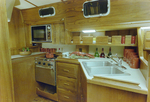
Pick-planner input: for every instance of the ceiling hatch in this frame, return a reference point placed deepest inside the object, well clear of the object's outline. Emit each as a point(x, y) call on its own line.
point(47, 12)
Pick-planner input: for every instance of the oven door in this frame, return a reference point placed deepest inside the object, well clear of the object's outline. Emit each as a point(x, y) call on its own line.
point(45, 75)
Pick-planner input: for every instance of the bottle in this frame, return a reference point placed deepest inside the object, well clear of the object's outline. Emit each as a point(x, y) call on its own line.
point(102, 54)
point(96, 53)
point(109, 53)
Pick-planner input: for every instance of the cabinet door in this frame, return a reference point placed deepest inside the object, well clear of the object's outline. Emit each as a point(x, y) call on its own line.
point(58, 33)
point(66, 96)
point(67, 83)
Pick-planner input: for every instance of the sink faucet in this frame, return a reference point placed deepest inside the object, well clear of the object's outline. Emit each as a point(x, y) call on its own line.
point(119, 61)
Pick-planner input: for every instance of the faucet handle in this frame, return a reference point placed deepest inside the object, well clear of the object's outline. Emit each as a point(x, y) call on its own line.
point(117, 55)
point(120, 62)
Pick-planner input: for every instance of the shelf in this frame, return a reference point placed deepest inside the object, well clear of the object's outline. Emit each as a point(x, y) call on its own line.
point(109, 44)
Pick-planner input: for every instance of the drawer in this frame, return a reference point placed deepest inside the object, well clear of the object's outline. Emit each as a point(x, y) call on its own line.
point(67, 83)
point(67, 70)
point(66, 96)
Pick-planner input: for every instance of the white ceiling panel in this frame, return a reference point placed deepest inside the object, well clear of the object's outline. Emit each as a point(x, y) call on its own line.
point(43, 2)
point(24, 5)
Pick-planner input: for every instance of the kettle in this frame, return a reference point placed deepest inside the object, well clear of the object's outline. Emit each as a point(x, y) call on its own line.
point(49, 55)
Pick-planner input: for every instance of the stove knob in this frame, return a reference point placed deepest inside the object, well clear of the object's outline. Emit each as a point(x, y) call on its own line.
point(39, 62)
point(43, 63)
point(49, 64)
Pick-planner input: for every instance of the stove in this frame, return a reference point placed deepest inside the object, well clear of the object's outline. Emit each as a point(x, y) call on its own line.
point(45, 70)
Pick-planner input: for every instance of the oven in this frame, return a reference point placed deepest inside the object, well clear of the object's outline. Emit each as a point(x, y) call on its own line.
point(45, 70)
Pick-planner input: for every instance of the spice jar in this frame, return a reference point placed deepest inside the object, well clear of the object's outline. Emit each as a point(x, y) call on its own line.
point(133, 40)
point(123, 40)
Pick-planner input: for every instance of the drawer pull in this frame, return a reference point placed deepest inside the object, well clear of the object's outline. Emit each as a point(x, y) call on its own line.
point(65, 70)
point(66, 84)
point(66, 97)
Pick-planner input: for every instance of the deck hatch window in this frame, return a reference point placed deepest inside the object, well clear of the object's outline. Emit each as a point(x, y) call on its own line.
point(47, 12)
point(96, 8)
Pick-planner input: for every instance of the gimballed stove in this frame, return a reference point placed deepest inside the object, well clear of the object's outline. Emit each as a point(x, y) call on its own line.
point(45, 70)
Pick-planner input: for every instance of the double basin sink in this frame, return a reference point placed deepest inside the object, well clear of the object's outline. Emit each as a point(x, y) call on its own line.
point(94, 68)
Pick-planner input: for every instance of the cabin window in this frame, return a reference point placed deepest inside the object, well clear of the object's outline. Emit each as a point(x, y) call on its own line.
point(47, 12)
point(96, 8)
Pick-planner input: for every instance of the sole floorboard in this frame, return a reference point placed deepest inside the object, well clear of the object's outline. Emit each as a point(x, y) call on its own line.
point(42, 99)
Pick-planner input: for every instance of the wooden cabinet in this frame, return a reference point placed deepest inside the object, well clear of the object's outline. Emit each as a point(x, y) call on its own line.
point(58, 33)
point(67, 82)
point(24, 79)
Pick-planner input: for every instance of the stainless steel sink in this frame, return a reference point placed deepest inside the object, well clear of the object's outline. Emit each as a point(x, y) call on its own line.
point(97, 63)
point(102, 68)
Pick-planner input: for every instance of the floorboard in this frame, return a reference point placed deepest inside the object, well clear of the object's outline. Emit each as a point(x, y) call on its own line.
point(42, 99)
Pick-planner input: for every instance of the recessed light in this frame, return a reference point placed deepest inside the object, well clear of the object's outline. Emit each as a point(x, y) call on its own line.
point(88, 31)
point(145, 27)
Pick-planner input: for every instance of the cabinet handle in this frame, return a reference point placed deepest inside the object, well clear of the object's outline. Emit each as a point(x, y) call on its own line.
point(65, 70)
point(66, 84)
point(66, 97)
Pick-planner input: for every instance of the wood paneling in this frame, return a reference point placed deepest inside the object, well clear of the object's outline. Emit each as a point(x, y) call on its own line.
point(31, 16)
point(85, 48)
point(58, 33)
point(83, 86)
point(16, 30)
point(123, 14)
point(24, 79)
point(20, 34)
point(6, 80)
point(68, 37)
point(106, 94)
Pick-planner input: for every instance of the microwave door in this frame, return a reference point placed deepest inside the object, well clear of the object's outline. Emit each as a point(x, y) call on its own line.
point(39, 33)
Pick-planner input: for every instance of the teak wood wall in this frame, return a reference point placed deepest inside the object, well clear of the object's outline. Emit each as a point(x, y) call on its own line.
point(19, 33)
point(123, 14)
point(6, 80)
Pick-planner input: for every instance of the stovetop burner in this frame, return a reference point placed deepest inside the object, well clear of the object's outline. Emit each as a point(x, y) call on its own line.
point(49, 59)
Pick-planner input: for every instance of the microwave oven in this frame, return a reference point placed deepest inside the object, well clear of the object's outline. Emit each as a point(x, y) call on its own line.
point(41, 33)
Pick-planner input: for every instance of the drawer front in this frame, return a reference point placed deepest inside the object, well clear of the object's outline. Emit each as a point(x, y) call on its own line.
point(67, 83)
point(66, 96)
point(68, 70)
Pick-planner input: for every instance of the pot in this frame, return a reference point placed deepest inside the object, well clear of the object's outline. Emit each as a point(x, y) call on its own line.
point(49, 55)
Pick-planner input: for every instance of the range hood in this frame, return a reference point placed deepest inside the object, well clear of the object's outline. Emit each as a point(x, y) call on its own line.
point(9, 7)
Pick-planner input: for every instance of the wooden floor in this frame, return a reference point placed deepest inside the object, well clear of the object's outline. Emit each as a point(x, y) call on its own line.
point(41, 99)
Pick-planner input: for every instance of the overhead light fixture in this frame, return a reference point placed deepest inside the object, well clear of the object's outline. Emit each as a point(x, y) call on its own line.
point(145, 27)
point(88, 31)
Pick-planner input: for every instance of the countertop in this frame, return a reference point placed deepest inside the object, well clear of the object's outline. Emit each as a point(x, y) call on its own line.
point(135, 77)
point(20, 56)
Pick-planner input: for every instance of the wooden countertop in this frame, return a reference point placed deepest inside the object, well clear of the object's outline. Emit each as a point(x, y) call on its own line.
point(33, 54)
